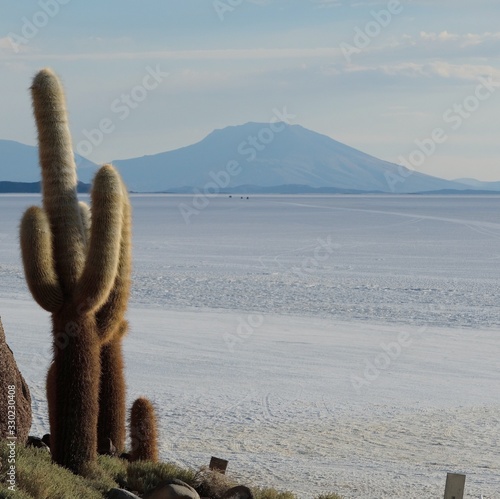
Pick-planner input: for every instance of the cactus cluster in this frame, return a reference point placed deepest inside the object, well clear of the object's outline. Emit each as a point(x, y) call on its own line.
point(77, 263)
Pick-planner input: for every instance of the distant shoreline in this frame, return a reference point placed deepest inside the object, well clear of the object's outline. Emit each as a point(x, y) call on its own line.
point(7, 187)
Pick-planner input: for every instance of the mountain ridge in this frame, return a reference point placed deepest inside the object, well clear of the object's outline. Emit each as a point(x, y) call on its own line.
point(254, 154)
point(19, 163)
point(275, 157)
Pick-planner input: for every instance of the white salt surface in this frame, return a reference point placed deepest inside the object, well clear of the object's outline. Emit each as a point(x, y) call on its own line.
point(254, 350)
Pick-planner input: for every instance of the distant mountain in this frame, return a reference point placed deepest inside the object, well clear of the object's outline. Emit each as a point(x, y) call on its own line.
point(19, 163)
point(259, 157)
point(478, 184)
point(251, 158)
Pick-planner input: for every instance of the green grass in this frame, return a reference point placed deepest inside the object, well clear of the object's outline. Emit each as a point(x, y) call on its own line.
point(38, 478)
point(273, 494)
point(143, 476)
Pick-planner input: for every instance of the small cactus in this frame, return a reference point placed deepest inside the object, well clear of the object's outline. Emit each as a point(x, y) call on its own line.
point(143, 431)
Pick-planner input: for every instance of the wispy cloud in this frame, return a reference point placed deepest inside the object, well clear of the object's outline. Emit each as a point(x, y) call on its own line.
point(429, 46)
point(462, 40)
point(441, 69)
point(223, 54)
point(6, 46)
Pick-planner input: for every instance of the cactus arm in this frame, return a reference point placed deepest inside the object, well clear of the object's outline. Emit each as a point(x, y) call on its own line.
point(38, 260)
point(86, 218)
point(59, 180)
point(102, 261)
point(111, 314)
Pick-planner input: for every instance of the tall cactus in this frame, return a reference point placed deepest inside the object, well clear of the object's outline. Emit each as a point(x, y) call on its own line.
point(72, 265)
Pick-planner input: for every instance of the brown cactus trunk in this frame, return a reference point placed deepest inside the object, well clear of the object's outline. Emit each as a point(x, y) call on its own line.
point(76, 382)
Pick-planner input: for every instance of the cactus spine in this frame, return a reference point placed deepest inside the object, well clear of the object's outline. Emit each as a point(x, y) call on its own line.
point(71, 265)
point(143, 431)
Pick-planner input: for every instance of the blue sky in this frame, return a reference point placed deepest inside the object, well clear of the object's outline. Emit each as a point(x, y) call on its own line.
point(376, 75)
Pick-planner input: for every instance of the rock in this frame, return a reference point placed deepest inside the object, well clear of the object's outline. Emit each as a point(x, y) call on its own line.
point(173, 489)
point(46, 440)
point(239, 492)
point(37, 443)
point(121, 494)
point(11, 377)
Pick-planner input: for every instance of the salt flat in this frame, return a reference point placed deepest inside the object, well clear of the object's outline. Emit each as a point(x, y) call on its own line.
point(320, 343)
